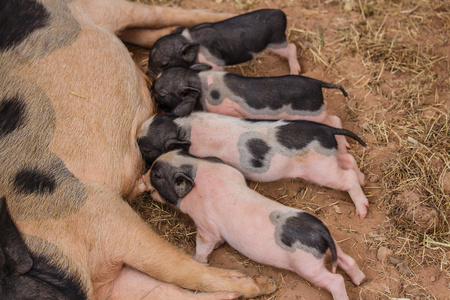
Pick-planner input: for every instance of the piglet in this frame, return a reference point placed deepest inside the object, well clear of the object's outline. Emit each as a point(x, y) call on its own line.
point(228, 42)
point(290, 97)
point(263, 150)
point(224, 209)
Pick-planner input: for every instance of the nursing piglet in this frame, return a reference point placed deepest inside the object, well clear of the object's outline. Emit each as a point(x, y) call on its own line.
point(229, 42)
point(224, 209)
point(262, 150)
point(290, 97)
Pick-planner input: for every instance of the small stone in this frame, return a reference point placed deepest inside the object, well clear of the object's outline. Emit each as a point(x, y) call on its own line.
point(446, 182)
point(374, 178)
point(337, 209)
point(383, 253)
point(403, 267)
point(394, 260)
point(433, 278)
point(349, 5)
point(292, 193)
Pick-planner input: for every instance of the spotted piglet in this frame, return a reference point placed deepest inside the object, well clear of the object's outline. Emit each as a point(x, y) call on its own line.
point(262, 150)
point(290, 97)
point(229, 42)
point(224, 209)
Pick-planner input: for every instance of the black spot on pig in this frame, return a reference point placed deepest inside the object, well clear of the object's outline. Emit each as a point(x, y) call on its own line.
point(215, 94)
point(238, 39)
point(311, 233)
point(29, 181)
point(24, 275)
point(300, 93)
point(43, 281)
point(161, 136)
point(275, 92)
point(297, 229)
point(259, 149)
point(297, 135)
point(14, 253)
point(173, 50)
point(18, 19)
point(12, 115)
point(171, 182)
point(176, 85)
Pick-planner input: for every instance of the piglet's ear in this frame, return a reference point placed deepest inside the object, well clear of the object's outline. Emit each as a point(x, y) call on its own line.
point(190, 94)
point(178, 30)
point(183, 184)
point(174, 144)
point(200, 67)
point(189, 52)
point(184, 108)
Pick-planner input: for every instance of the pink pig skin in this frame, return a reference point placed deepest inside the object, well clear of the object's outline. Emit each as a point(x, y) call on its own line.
point(226, 210)
point(207, 139)
point(231, 108)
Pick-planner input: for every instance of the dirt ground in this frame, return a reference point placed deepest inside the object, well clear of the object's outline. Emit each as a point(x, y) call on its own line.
point(392, 57)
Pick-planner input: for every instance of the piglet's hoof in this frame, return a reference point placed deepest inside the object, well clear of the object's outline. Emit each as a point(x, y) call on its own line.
point(266, 284)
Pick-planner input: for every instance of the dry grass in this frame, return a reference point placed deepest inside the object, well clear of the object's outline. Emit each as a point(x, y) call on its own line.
point(399, 43)
point(419, 128)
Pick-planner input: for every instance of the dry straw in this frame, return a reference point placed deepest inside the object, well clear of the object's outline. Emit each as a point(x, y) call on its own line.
point(391, 39)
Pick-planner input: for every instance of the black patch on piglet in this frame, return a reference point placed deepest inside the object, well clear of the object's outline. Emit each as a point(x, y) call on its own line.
point(238, 39)
point(163, 135)
point(18, 19)
point(12, 115)
point(299, 93)
point(169, 51)
point(297, 229)
point(258, 149)
point(296, 135)
point(306, 229)
point(176, 85)
point(172, 183)
point(29, 181)
point(215, 94)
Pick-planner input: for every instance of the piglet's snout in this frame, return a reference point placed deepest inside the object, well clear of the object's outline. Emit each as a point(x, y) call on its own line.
point(149, 188)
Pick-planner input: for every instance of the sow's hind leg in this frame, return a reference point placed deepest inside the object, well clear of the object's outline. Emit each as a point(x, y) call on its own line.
point(143, 24)
point(132, 284)
point(135, 245)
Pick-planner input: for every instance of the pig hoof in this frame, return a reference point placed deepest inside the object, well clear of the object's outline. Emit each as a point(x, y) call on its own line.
point(362, 215)
point(266, 284)
point(358, 279)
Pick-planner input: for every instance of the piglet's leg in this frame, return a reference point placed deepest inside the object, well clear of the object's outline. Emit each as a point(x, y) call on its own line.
point(325, 170)
point(346, 161)
point(290, 53)
point(314, 271)
point(205, 246)
point(350, 266)
point(334, 121)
